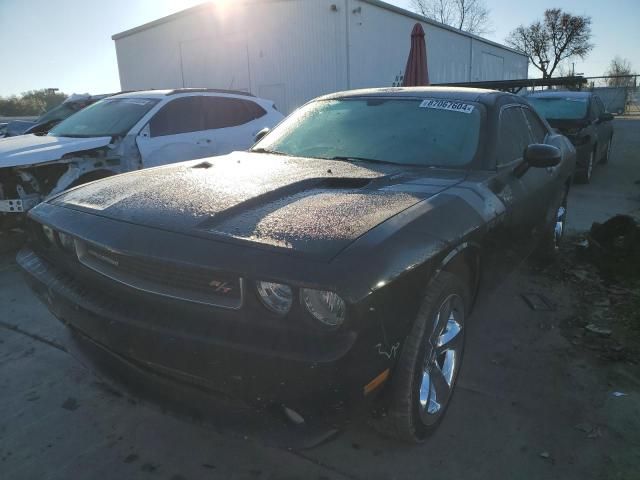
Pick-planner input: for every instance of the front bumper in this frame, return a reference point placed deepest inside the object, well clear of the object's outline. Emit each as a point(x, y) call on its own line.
point(257, 365)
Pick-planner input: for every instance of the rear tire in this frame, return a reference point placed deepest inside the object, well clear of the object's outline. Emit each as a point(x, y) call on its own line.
point(607, 154)
point(424, 377)
point(586, 175)
point(551, 240)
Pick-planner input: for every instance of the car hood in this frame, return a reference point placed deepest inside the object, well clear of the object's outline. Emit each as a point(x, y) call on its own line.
point(33, 149)
point(301, 205)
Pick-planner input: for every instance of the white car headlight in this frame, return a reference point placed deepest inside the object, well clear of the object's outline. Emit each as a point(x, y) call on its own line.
point(325, 306)
point(277, 297)
point(49, 234)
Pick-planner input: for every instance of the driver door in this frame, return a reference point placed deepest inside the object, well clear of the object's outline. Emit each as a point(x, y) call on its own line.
point(523, 194)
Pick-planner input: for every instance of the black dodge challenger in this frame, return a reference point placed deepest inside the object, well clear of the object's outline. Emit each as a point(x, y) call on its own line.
point(337, 260)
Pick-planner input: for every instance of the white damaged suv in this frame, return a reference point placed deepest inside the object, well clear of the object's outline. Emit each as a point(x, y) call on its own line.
point(127, 132)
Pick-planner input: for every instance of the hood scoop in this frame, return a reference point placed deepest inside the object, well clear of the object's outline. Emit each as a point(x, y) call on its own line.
point(282, 196)
point(313, 216)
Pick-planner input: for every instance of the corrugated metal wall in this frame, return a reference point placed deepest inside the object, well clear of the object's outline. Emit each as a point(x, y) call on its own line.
point(293, 50)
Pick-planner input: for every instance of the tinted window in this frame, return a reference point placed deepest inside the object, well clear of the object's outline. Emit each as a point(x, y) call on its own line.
point(223, 112)
point(560, 108)
point(536, 127)
point(514, 135)
point(430, 132)
point(181, 115)
point(106, 118)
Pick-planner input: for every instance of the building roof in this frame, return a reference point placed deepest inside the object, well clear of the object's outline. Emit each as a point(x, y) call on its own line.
point(377, 3)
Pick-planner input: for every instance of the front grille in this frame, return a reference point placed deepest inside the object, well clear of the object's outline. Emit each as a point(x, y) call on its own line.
point(185, 282)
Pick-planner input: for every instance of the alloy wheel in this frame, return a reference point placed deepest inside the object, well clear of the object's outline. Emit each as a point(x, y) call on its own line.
point(561, 219)
point(590, 167)
point(442, 359)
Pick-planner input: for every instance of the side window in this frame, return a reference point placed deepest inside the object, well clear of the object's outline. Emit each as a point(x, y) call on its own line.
point(536, 128)
point(514, 135)
point(224, 112)
point(182, 115)
point(603, 109)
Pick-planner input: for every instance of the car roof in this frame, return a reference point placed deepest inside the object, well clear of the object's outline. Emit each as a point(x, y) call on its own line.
point(180, 91)
point(458, 93)
point(560, 94)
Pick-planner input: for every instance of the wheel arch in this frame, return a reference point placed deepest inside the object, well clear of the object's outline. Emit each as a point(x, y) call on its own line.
point(79, 175)
point(464, 261)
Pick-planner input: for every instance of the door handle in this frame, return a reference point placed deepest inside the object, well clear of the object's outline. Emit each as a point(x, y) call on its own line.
point(203, 140)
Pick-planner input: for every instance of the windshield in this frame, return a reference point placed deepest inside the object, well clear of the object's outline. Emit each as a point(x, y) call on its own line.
point(425, 132)
point(106, 118)
point(60, 112)
point(560, 108)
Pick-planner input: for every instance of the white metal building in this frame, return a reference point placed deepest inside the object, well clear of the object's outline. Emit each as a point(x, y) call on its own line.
point(291, 51)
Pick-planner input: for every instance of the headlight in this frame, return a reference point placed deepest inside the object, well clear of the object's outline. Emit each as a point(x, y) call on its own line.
point(49, 234)
point(277, 297)
point(67, 242)
point(325, 306)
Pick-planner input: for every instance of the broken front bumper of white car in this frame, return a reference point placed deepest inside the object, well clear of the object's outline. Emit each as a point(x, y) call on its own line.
point(19, 205)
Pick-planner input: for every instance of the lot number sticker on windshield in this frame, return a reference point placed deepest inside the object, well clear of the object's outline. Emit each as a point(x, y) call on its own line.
point(447, 105)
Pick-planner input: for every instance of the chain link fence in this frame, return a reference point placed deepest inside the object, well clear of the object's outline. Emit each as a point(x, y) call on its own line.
point(620, 94)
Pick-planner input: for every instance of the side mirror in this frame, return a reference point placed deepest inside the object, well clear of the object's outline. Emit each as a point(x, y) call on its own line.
point(605, 117)
point(261, 134)
point(539, 155)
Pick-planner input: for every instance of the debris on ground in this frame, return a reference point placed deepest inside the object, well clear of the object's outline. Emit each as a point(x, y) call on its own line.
point(614, 245)
point(538, 302)
point(293, 416)
point(605, 332)
point(585, 427)
point(602, 269)
point(592, 431)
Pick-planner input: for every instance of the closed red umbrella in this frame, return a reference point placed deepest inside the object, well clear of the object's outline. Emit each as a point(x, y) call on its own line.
point(416, 74)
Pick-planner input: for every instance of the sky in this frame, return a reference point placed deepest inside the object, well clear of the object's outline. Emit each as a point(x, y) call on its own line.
point(67, 44)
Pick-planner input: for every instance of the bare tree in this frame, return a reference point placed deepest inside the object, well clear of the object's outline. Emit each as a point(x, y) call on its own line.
point(468, 15)
point(619, 66)
point(557, 37)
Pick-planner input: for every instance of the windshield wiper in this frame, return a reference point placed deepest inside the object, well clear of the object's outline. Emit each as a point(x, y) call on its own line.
point(360, 159)
point(265, 150)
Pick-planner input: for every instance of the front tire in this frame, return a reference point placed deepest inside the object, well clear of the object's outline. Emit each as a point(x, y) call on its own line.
point(430, 360)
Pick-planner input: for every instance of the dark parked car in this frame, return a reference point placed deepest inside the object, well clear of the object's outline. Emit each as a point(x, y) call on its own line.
point(582, 117)
point(51, 118)
point(338, 259)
